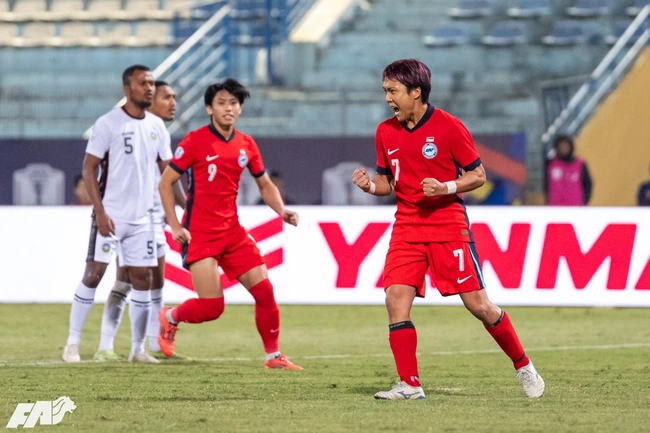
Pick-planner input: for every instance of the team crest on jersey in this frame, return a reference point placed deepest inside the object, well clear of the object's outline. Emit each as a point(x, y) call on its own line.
point(243, 158)
point(179, 152)
point(153, 136)
point(429, 150)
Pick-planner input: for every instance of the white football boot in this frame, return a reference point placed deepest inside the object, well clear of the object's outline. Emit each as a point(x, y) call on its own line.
point(402, 391)
point(531, 381)
point(71, 353)
point(142, 357)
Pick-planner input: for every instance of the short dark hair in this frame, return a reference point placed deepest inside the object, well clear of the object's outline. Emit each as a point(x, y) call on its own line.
point(231, 86)
point(128, 73)
point(564, 137)
point(161, 83)
point(412, 73)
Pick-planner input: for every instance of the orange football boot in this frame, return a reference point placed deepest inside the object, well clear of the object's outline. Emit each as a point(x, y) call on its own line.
point(281, 362)
point(167, 333)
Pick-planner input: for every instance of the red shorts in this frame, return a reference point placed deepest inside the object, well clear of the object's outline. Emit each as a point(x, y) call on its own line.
point(454, 266)
point(235, 251)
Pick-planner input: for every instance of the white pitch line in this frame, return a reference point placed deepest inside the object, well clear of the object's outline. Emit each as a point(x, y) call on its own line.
point(6, 363)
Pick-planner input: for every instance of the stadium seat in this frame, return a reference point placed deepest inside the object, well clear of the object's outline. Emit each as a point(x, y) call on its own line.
point(104, 6)
point(638, 5)
point(29, 6)
point(566, 33)
point(8, 33)
point(114, 34)
point(142, 5)
point(35, 34)
point(76, 34)
point(446, 36)
point(471, 9)
point(588, 8)
point(506, 33)
point(66, 6)
point(4, 6)
point(618, 29)
point(151, 33)
point(531, 9)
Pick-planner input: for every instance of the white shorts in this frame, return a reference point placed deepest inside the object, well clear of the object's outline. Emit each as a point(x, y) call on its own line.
point(136, 242)
point(161, 240)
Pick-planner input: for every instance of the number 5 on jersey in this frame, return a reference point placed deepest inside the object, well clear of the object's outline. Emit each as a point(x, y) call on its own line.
point(212, 172)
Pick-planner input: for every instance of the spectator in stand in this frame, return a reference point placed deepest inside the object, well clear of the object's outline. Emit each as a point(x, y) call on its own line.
point(568, 182)
point(80, 192)
point(644, 194)
point(278, 181)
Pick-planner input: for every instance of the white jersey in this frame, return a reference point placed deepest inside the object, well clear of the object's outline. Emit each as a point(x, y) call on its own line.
point(130, 149)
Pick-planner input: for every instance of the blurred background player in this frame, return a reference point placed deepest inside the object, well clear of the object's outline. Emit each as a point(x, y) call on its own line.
point(163, 106)
point(643, 195)
point(80, 192)
point(214, 157)
point(568, 181)
point(415, 148)
point(126, 142)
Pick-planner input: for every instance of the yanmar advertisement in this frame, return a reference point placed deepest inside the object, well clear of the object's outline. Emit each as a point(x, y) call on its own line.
point(529, 256)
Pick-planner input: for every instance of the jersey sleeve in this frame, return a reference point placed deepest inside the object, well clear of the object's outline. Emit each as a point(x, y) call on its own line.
point(165, 150)
point(383, 167)
point(100, 139)
point(462, 147)
point(184, 156)
point(255, 163)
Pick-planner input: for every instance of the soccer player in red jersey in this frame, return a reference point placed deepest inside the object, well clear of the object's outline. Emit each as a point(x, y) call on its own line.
point(428, 157)
point(214, 157)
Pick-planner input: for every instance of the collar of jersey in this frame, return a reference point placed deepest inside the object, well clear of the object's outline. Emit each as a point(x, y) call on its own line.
point(425, 118)
point(218, 134)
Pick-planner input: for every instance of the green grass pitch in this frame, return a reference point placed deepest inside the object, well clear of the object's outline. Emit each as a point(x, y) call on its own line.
point(596, 364)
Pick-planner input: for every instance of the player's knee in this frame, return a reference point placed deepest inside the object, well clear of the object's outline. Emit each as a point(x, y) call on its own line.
point(140, 278)
point(480, 310)
point(93, 275)
point(262, 292)
point(210, 308)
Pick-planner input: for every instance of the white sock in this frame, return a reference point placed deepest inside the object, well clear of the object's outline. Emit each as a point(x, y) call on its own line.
point(81, 305)
point(139, 312)
point(113, 312)
point(169, 317)
point(154, 323)
point(270, 356)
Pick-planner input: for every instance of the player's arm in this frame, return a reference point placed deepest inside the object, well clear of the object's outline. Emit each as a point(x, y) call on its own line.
point(470, 180)
point(179, 194)
point(382, 182)
point(271, 196)
point(105, 224)
point(167, 180)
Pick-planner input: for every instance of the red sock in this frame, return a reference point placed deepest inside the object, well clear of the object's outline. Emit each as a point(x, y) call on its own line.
point(267, 315)
point(506, 337)
point(198, 310)
point(404, 342)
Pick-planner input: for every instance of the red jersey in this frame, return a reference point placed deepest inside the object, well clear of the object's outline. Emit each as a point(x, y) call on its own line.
point(438, 146)
point(214, 166)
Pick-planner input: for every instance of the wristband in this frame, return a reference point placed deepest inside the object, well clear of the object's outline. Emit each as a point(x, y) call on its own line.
point(451, 187)
point(373, 187)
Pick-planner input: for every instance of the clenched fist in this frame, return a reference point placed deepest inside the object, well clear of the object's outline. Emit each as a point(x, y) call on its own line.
point(361, 179)
point(433, 188)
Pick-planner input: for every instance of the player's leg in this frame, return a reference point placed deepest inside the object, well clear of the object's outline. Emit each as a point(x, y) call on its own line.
point(138, 253)
point(245, 262)
point(157, 284)
point(406, 265)
point(208, 306)
point(113, 312)
point(457, 272)
point(100, 250)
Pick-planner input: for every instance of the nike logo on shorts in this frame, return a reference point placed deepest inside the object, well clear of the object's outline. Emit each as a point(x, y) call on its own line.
point(211, 158)
point(459, 281)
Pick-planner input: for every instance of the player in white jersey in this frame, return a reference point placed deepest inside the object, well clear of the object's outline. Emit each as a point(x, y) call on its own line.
point(125, 145)
point(163, 106)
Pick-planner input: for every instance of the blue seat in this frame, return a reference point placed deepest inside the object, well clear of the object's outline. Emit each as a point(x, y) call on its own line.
point(446, 36)
point(531, 9)
point(589, 8)
point(638, 5)
point(506, 33)
point(566, 33)
point(619, 28)
point(471, 9)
